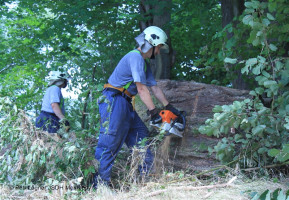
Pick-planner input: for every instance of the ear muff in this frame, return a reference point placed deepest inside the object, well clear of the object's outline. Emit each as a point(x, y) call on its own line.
point(153, 53)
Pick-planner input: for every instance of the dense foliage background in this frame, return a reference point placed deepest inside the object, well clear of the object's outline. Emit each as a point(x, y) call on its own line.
point(87, 39)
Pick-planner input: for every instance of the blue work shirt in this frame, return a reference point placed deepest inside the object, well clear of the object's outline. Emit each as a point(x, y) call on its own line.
point(52, 95)
point(132, 68)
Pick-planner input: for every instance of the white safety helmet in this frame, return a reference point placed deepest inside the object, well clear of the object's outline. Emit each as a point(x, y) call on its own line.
point(155, 36)
point(55, 76)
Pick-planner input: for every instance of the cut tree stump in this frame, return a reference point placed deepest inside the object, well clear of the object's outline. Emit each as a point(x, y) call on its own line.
point(198, 100)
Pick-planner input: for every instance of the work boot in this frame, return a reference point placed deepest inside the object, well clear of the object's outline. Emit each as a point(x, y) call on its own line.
point(97, 181)
point(105, 190)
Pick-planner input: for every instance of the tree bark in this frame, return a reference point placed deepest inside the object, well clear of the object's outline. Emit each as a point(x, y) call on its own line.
point(230, 10)
point(158, 13)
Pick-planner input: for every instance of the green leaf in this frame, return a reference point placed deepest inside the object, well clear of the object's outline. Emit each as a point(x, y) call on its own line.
point(276, 192)
point(248, 4)
point(86, 171)
point(281, 195)
point(237, 104)
point(230, 60)
point(217, 109)
point(253, 93)
point(245, 120)
point(285, 148)
point(256, 196)
point(263, 111)
point(273, 152)
point(247, 19)
point(72, 148)
point(269, 16)
point(286, 126)
point(251, 62)
point(279, 65)
point(272, 6)
point(283, 157)
point(237, 123)
point(207, 130)
point(273, 47)
point(256, 70)
point(268, 84)
point(252, 4)
point(256, 41)
point(262, 150)
point(247, 100)
point(261, 59)
point(287, 108)
point(259, 90)
point(237, 137)
point(245, 70)
point(258, 129)
point(265, 195)
point(266, 22)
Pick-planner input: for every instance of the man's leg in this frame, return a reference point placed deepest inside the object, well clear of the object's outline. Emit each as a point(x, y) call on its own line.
point(115, 123)
point(47, 122)
point(136, 134)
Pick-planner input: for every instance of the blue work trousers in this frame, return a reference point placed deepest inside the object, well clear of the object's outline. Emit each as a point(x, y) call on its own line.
point(48, 122)
point(119, 124)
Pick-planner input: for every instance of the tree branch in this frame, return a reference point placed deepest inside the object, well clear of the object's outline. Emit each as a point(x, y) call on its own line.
point(86, 99)
point(5, 68)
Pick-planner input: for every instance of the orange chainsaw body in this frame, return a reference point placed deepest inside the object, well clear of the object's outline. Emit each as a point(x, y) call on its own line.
point(170, 123)
point(167, 116)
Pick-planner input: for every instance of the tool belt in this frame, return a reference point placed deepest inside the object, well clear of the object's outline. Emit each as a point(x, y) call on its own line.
point(121, 91)
point(48, 113)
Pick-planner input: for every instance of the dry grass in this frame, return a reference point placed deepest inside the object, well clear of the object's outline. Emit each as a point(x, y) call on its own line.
point(240, 189)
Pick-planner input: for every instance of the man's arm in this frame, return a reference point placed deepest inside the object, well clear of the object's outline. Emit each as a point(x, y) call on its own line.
point(56, 109)
point(145, 96)
point(159, 95)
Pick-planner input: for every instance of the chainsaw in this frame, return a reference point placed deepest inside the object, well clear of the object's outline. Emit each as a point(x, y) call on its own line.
point(171, 123)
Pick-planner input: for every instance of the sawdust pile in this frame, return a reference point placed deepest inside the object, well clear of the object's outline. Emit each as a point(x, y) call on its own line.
point(162, 155)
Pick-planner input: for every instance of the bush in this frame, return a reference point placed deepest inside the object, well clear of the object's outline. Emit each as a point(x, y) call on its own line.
point(31, 156)
point(256, 128)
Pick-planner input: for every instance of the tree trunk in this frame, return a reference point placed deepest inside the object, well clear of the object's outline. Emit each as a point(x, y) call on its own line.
point(159, 14)
point(231, 9)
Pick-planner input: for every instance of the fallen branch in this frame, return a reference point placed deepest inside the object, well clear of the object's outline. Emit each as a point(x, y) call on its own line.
point(205, 172)
point(190, 188)
point(265, 167)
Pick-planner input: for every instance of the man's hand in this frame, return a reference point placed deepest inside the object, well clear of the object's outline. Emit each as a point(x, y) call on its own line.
point(65, 124)
point(172, 109)
point(155, 116)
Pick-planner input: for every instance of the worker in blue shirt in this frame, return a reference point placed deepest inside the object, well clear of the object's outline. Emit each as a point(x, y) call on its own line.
point(52, 110)
point(119, 121)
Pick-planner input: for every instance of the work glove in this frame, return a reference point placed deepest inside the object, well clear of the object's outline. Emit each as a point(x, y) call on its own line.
point(172, 109)
point(155, 116)
point(65, 124)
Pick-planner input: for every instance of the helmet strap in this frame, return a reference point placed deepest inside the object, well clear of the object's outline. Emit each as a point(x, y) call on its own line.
point(65, 83)
point(153, 54)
